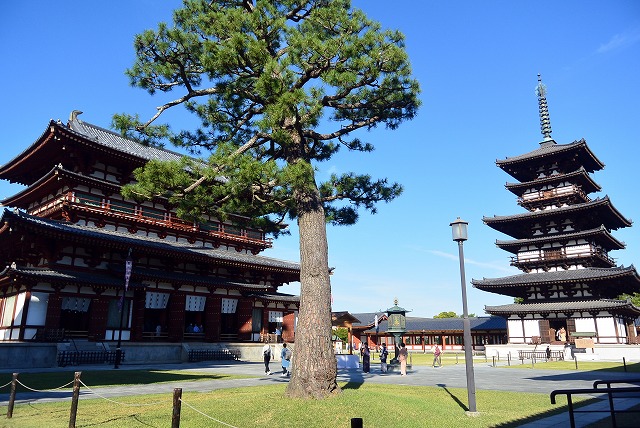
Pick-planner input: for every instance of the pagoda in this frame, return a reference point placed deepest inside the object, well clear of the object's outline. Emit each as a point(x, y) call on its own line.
point(570, 286)
point(78, 260)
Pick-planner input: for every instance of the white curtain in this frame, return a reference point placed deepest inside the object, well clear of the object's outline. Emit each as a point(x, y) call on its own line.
point(275, 316)
point(195, 303)
point(156, 300)
point(229, 306)
point(80, 304)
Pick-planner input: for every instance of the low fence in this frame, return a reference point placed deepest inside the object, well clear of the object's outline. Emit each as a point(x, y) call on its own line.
point(541, 355)
point(611, 392)
point(197, 355)
point(76, 358)
point(76, 383)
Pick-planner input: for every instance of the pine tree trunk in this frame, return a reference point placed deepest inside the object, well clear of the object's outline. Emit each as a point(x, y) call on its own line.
point(314, 368)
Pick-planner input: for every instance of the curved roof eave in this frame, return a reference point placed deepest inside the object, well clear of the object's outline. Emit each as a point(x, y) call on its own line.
point(553, 149)
point(514, 245)
point(91, 233)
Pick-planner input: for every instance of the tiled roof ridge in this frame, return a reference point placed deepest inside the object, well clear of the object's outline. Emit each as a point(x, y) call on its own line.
point(119, 142)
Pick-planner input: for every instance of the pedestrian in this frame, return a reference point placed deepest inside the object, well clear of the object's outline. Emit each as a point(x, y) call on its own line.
point(437, 359)
point(402, 357)
point(366, 357)
point(278, 334)
point(383, 358)
point(548, 353)
point(285, 356)
point(266, 356)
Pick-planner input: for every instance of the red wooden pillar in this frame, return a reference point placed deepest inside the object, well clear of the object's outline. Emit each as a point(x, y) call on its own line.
point(213, 308)
point(176, 318)
point(245, 310)
point(137, 315)
point(98, 322)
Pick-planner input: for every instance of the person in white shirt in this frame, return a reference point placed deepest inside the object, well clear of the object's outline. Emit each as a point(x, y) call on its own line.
point(266, 355)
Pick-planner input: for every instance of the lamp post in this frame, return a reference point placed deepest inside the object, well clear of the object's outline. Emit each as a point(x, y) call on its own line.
point(459, 230)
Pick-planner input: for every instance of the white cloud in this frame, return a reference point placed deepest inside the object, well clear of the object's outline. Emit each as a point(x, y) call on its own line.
point(620, 41)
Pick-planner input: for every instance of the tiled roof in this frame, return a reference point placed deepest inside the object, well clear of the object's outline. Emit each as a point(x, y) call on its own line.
point(600, 210)
point(278, 297)
point(580, 176)
point(127, 239)
point(601, 232)
point(367, 318)
point(414, 324)
point(94, 278)
point(564, 306)
point(554, 149)
point(115, 141)
point(563, 276)
point(552, 212)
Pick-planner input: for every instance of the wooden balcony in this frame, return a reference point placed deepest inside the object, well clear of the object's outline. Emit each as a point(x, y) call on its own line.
point(561, 256)
point(546, 197)
point(143, 215)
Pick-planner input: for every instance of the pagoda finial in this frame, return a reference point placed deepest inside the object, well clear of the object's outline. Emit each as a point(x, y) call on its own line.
point(545, 122)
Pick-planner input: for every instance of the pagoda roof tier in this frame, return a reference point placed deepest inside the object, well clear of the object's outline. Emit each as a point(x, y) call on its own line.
point(611, 281)
point(588, 215)
point(57, 139)
point(51, 181)
point(93, 278)
point(524, 167)
point(600, 235)
point(90, 235)
point(618, 306)
point(579, 177)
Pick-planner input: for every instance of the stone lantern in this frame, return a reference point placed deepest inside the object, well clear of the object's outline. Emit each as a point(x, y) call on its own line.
point(396, 325)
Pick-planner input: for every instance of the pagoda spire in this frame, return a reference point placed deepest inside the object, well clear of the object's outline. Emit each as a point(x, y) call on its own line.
point(545, 121)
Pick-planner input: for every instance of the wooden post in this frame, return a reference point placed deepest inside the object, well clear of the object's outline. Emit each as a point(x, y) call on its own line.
point(74, 400)
point(12, 395)
point(177, 404)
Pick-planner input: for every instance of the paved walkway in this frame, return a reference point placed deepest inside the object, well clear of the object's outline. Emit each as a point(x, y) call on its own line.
point(454, 376)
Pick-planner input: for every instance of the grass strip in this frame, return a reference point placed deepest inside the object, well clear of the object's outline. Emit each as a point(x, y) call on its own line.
point(267, 406)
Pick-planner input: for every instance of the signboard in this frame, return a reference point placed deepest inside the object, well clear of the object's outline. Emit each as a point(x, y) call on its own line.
point(584, 343)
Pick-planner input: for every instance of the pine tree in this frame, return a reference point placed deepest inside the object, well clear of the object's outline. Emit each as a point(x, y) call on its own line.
point(277, 87)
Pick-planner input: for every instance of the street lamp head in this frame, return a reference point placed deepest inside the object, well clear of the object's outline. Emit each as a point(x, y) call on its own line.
point(459, 230)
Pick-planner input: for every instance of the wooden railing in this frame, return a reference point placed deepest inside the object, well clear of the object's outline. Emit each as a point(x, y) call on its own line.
point(137, 213)
point(544, 195)
point(560, 254)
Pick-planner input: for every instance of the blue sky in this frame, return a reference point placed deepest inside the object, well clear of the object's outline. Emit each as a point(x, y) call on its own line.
point(477, 63)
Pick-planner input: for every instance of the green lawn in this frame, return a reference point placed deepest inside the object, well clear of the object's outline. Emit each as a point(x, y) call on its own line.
point(266, 406)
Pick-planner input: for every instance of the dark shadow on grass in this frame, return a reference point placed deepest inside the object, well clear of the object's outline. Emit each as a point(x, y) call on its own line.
point(456, 399)
point(351, 385)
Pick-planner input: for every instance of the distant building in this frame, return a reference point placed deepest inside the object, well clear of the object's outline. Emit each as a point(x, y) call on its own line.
point(67, 238)
point(569, 285)
point(424, 333)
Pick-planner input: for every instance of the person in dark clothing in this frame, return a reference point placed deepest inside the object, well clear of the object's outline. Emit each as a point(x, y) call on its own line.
point(366, 358)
